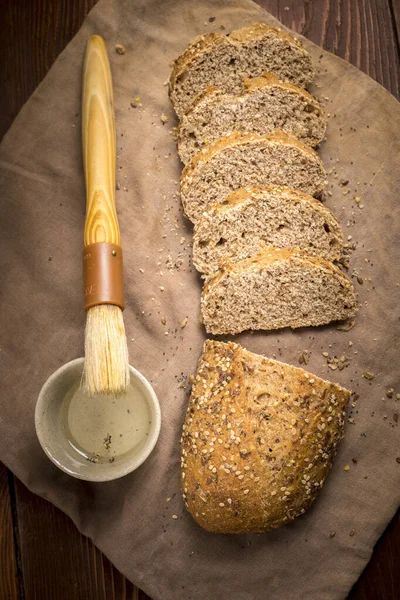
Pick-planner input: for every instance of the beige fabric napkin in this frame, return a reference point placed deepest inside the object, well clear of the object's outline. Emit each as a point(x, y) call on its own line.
point(42, 321)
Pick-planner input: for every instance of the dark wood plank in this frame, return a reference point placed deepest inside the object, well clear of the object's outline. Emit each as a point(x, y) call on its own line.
point(9, 588)
point(58, 563)
point(394, 6)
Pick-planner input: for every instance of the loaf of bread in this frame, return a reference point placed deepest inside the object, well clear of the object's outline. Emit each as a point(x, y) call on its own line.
point(252, 218)
point(275, 289)
point(247, 159)
point(223, 60)
point(266, 104)
point(258, 440)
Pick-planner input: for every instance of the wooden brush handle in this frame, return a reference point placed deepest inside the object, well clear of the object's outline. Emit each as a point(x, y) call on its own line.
point(102, 257)
point(98, 139)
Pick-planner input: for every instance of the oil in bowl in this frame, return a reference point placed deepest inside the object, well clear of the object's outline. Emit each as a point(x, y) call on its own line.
point(99, 438)
point(105, 428)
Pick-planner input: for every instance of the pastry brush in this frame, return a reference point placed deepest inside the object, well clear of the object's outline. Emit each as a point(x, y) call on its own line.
point(106, 367)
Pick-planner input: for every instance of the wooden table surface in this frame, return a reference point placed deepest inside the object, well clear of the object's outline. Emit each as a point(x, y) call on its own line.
point(42, 555)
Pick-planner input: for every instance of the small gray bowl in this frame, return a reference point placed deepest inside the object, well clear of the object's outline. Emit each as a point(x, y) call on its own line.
point(54, 440)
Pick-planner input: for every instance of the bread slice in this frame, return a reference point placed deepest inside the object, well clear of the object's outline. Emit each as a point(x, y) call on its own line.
point(252, 218)
point(258, 440)
point(266, 104)
point(274, 289)
point(223, 60)
point(243, 159)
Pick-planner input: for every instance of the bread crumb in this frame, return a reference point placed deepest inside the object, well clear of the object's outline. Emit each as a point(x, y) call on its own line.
point(346, 326)
point(184, 322)
point(120, 49)
point(368, 375)
point(164, 119)
point(175, 516)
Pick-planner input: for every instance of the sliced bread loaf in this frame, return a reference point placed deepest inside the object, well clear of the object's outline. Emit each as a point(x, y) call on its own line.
point(274, 289)
point(223, 60)
point(258, 440)
point(252, 218)
point(243, 159)
point(266, 104)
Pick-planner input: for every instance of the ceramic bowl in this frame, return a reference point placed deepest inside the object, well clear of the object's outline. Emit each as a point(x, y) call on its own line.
point(52, 428)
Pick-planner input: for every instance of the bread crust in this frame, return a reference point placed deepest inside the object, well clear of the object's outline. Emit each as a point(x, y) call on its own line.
point(237, 138)
point(271, 80)
point(237, 202)
point(213, 94)
point(257, 266)
point(203, 44)
point(258, 440)
point(270, 255)
point(244, 195)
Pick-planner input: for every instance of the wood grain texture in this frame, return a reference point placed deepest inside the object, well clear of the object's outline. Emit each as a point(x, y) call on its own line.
point(9, 588)
point(32, 34)
point(394, 6)
point(98, 142)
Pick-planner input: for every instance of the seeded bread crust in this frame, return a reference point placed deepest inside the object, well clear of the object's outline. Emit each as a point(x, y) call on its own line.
point(245, 284)
point(202, 125)
point(258, 440)
point(256, 217)
point(205, 44)
point(193, 210)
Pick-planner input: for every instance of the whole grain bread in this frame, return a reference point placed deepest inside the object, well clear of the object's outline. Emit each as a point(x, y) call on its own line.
point(258, 440)
point(252, 218)
point(244, 159)
point(275, 289)
point(266, 104)
point(223, 60)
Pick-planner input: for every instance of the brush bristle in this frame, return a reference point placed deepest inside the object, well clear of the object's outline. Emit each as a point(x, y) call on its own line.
point(106, 369)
